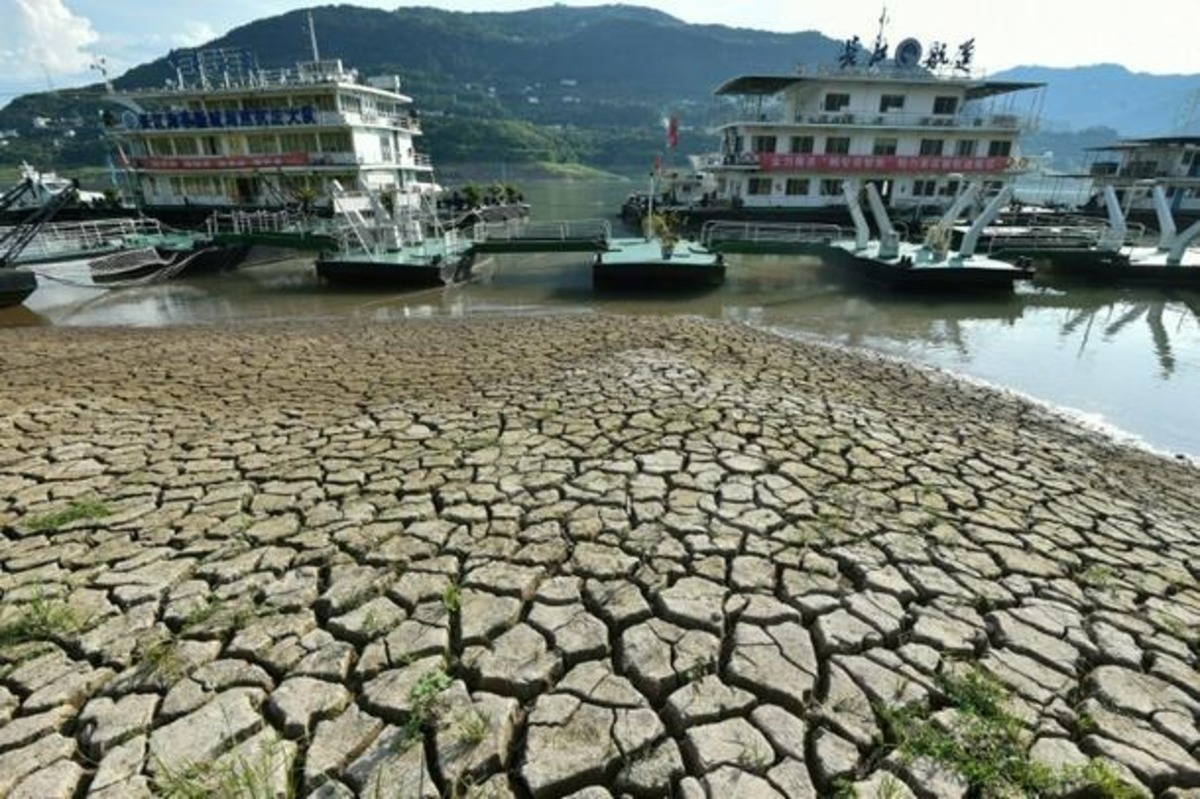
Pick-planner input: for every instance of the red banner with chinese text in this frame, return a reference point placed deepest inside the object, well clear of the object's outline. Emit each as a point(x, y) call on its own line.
point(879, 163)
point(220, 162)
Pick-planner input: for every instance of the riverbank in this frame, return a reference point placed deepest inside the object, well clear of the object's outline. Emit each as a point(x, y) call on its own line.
point(568, 551)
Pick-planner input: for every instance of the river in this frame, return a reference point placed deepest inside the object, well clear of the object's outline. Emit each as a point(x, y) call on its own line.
point(1123, 361)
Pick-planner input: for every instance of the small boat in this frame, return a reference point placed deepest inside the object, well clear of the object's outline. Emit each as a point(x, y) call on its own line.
point(35, 188)
point(633, 263)
point(15, 286)
point(408, 248)
point(153, 258)
point(1118, 256)
point(1126, 166)
point(930, 265)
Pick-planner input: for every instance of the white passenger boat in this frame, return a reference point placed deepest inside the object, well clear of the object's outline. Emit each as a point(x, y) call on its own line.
point(919, 125)
point(226, 134)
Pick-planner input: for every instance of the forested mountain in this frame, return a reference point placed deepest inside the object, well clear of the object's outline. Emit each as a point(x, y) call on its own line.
point(562, 84)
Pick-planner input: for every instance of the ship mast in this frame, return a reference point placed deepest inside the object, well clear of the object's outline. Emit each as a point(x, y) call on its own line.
point(312, 34)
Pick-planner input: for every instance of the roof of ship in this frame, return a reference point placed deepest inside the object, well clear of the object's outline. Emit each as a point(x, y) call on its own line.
point(773, 84)
point(1151, 141)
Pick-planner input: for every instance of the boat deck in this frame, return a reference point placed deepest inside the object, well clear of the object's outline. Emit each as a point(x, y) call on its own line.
point(769, 238)
point(916, 267)
point(637, 262)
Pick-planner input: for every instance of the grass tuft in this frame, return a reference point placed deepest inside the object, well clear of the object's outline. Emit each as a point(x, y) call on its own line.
point(87, 509)
point(988, 746)
point(41, 619)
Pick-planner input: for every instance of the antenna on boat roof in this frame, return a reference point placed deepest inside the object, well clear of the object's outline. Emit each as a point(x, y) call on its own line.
point(312, 34)
point(879, 52)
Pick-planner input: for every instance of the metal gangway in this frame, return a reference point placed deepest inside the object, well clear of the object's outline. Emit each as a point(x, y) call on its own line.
point(541, 235)
point(14, 240)
point(285, 228)
point(61, 241)
point(784, 238)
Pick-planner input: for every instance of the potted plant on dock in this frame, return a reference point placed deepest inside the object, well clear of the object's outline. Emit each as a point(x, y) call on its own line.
point(662, 226)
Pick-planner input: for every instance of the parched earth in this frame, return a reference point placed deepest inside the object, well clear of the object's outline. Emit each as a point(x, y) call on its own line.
point(578, 555)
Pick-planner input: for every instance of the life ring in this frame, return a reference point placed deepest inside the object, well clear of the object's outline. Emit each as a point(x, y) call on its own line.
point(1018, 164)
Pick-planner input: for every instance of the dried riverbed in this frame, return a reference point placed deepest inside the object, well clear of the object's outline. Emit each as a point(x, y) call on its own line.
point(571, 555)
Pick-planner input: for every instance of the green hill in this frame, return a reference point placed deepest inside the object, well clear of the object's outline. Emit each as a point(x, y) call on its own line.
point(564, 85)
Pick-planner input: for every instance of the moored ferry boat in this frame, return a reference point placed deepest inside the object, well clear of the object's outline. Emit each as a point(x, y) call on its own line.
point(227, 135)
point(918, 125)
point(1132, 166)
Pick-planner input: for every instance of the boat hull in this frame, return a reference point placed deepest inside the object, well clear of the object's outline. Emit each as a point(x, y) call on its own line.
point(167, 261)
point(635, 264)
point(15, 286)
point(949, 278)
point(384, 274)
point(1116, 268)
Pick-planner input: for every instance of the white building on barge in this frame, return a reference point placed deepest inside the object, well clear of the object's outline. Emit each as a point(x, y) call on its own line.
point(918, 129)
point(1133, 166)
point(225, 134)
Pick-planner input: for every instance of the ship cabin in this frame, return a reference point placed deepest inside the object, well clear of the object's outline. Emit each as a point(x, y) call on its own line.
point(1133, 166)
point(791, 140)
point(224, 134)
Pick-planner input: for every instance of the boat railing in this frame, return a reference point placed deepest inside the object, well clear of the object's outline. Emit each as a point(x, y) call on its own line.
point(720, 230)
point(868, 118)
point(262, 221)
point(62, 238)
point(1051, 232)
point(524, 229)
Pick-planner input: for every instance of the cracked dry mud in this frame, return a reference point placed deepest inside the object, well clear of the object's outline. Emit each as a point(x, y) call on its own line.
point(590, 556)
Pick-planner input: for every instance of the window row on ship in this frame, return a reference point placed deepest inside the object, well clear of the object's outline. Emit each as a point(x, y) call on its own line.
point(884, 145)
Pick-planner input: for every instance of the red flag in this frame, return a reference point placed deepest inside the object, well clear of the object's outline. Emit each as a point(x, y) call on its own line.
point(673, 132)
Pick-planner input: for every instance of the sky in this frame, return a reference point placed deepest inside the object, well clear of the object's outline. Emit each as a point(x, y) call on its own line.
point(59, 44)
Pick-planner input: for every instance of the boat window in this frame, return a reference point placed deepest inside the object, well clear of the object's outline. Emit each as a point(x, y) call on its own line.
point(945, 105)
point(999, 148)
point(297, 142)
point(762, 144)
point(258, 145)
point(889, 102)
point(837, 145)
point(965, 148)
point(187, 146)
point(802, 144)
point(836, 102)
point(831, 188)
point(336, 142)
point(759, 186)
point(924, 188)
point(931, 146)
point(884, 147)
point(797, 187)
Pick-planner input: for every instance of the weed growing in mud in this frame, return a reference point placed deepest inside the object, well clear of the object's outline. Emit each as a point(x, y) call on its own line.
point(424, 699)
point(988, 746)
point(41, 619)
point(264, 777)
point(84, 509)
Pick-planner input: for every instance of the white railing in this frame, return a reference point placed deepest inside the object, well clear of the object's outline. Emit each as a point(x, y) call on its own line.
point(894, 119)
point(62, 238)
point(719, 230)
point(240, 222)
point(547, 230)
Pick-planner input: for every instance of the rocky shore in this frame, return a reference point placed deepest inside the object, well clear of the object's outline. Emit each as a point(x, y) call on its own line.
point(582, 556)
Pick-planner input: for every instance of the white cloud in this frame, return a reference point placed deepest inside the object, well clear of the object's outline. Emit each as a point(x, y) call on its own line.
point(194, 34)
point(42, 38)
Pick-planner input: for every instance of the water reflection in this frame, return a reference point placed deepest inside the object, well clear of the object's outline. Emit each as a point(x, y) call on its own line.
point(1130, 357)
